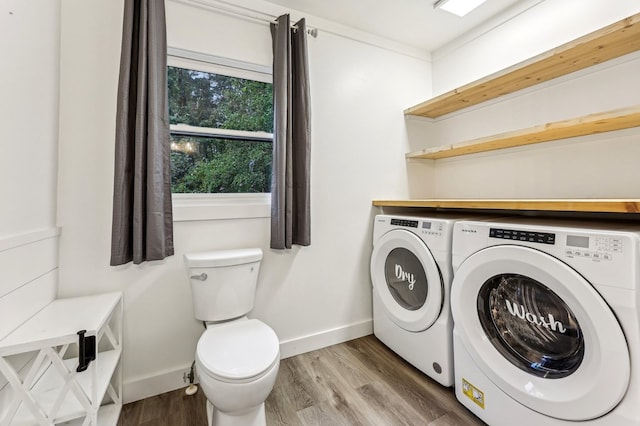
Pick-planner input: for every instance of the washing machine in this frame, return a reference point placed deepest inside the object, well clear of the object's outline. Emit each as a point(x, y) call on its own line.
point(411, 277)
point(547, 322)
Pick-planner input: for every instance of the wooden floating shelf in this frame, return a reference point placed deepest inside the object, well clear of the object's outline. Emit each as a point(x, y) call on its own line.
point(615, 40)
point(587, 125)
point(544, 205)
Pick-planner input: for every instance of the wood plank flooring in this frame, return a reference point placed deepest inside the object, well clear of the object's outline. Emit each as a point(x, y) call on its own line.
point(360, 382)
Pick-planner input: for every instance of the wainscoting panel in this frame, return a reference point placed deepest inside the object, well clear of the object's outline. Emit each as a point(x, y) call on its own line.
point(25, 263)
point(28, 282)
point(28, 275)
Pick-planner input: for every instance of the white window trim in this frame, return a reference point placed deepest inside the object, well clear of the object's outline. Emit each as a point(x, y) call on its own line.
point(194, 207)
point(221, 133)
point(198, 207)
point(188, 59)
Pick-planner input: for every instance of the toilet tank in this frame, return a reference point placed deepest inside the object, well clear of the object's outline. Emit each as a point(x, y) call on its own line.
point(223, 283)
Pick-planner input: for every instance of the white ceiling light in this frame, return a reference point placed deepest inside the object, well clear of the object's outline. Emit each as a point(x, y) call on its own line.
point(458, 7)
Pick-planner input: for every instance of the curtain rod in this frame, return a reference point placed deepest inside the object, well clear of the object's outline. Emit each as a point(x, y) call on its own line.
point(240, 11)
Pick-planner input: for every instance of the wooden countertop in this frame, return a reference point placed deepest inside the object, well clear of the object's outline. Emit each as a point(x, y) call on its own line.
point(558, 205)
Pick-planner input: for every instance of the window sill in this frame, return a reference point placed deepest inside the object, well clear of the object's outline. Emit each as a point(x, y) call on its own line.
point(194, 207)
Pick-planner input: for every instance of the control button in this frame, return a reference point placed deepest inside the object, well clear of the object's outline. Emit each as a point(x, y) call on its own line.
point(568, 252)
point(586, 254)
point(577, 253)
point(606, 256)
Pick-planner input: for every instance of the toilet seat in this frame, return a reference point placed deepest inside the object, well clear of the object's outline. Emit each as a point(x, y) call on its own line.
point(239, 351)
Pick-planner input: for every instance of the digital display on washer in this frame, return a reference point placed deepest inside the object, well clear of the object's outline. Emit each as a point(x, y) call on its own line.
point(426, 225)
point(405, 222)
point(577, 241)
point(514, 234)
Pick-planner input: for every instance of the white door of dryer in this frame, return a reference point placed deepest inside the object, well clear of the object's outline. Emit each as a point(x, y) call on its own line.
point(407, 280)
point(539, 331)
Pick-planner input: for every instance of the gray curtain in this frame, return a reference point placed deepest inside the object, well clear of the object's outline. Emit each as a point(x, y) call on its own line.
point(142, 227)
point(290, 189)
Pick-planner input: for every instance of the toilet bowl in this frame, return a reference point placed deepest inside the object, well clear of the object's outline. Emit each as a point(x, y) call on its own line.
point(237, 364)
point(237, 358)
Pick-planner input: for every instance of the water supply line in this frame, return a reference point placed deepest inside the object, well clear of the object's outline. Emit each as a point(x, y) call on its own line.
point(191, 376)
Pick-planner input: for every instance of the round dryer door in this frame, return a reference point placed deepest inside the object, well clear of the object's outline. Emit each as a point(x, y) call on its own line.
point(407, 280)
point(539, 331)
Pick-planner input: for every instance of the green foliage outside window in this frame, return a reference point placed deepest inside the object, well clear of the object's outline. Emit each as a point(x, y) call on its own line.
point(204, 164)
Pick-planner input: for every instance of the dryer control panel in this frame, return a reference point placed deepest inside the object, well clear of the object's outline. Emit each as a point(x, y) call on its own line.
point(404, 222)
point(424, 227)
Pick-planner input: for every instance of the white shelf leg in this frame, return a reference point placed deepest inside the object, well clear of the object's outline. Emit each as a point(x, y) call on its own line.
point(73, 384)
point(22, 392)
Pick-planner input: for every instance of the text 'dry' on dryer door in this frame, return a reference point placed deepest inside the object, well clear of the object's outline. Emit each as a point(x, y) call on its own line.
point(407, 280)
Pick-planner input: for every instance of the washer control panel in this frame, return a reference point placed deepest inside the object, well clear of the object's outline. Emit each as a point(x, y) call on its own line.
point(532, 237)
point(596, 248)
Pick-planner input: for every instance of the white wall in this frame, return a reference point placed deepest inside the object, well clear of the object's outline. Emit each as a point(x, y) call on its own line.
point(30, 33)
point(29, 52)
point(29, 55)
point(540, 26)
point(311, 296)
point(596, 166)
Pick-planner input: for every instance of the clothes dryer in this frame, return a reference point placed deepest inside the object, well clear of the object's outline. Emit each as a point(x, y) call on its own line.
point(411, 277)
point(547, 321)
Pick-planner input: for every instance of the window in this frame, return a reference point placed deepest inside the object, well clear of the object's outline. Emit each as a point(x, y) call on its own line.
point(221, 120)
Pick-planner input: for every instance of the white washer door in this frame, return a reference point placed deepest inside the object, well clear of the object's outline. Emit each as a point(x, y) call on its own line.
point(540, 332)
point(406, 278)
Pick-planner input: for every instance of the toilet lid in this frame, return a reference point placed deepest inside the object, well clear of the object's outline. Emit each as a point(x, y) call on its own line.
point(239, 350)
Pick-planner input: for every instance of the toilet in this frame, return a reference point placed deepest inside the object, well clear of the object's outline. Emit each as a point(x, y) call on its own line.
point(237, 358)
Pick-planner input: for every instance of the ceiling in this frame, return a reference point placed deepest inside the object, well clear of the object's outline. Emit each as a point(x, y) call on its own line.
point(412, 22)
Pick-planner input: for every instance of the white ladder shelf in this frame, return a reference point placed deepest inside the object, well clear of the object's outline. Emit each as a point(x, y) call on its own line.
point(49, 379)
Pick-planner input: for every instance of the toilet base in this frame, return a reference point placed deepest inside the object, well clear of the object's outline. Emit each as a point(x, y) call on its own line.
point(252, 417)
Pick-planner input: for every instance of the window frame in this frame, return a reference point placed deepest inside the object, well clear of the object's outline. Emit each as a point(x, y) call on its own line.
point(195, 207)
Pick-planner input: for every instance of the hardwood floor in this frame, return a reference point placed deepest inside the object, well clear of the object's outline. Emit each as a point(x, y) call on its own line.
point(168, 409)
point(360, 382)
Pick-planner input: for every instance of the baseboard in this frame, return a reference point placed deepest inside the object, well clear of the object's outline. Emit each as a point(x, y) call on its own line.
point(146, 387)
point(311, 342)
